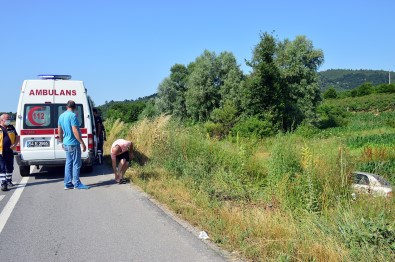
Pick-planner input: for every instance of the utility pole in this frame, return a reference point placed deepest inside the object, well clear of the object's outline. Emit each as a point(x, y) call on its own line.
point(389, 76)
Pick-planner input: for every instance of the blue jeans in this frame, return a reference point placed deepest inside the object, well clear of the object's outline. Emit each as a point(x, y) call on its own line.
point(73, 166)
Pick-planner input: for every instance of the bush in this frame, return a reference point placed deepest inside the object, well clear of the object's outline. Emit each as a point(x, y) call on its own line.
point(253, 127)
point(307, 130)
point(385, 88)
point(330, 93)
point(331, 116)
point(363, 90)
point(223, 120)
point(214, 129)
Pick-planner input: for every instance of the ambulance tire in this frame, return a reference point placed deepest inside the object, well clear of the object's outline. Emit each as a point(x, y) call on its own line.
point(24, 170)
point(88, 169)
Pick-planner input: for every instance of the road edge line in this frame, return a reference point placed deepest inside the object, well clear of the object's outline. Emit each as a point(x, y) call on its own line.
point(9, 207)
point(225, 254)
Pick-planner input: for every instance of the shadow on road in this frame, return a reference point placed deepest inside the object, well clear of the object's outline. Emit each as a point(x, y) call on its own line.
point(48, 172)
point(104, 183)
point(50, 175)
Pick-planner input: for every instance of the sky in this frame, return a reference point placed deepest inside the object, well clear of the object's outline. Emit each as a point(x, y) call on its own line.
point(123, 49)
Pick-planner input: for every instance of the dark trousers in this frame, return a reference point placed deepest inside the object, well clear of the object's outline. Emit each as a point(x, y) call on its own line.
point(100, 145)
point(6, 166)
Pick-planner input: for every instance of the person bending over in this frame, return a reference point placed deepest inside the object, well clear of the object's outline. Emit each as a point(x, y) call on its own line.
point(121, 152)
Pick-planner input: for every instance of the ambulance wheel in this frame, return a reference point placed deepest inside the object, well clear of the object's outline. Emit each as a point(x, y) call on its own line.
point(24, 170)
point(88, 169)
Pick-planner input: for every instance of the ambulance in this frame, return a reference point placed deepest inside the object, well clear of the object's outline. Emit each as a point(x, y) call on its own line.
point(41, 102)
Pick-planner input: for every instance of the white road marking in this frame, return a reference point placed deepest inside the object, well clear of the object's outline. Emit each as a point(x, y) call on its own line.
point(1, 197)
point(5, 214)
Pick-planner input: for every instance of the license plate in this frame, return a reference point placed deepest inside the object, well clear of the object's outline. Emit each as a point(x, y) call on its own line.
point(37, 143)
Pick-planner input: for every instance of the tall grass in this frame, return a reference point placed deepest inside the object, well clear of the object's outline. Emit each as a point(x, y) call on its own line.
point(285, 198)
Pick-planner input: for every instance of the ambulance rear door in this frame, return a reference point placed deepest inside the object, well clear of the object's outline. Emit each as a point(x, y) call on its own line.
point(37, 140)
point(71, 90)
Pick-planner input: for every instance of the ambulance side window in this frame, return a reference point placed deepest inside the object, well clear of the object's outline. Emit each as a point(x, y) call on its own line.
point(37, 116)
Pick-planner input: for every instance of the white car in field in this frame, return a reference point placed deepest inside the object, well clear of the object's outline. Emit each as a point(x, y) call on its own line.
point(368, 183)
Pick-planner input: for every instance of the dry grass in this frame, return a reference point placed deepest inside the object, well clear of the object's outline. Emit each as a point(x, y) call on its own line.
point(147, 134)
point(255, 232)
point(258, 230)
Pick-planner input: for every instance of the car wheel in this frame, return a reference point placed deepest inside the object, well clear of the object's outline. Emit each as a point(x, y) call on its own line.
point(88, 169)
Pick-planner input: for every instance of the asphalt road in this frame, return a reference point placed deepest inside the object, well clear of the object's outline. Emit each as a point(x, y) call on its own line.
point(108, 222)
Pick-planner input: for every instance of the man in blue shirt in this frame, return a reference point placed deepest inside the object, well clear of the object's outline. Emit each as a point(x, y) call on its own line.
point(70, 135)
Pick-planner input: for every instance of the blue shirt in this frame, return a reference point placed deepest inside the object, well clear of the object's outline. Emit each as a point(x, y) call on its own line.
point(66, 121)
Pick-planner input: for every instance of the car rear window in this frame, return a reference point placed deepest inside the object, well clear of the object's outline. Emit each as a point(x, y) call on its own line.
point(46, 115)
point(361, 179)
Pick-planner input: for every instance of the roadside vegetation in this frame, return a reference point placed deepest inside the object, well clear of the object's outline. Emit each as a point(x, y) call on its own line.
point(285, 197)
point(263, 162)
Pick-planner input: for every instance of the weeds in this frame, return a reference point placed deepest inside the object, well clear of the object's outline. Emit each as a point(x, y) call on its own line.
point(285, 198)
point(371, 140)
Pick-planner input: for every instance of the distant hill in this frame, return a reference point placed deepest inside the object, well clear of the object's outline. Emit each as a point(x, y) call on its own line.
point(346, 79)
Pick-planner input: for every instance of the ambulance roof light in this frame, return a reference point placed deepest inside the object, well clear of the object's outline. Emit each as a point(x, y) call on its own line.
point(54, 77)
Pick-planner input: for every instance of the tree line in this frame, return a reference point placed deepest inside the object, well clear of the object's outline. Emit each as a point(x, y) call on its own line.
point(366, 88)
point(280, 92)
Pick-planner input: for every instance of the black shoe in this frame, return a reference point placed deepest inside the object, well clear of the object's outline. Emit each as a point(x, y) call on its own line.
point(122, 181)
point(10, 183)
point(4, 187)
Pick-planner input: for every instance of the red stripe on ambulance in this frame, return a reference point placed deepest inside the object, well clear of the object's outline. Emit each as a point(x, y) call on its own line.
point(51, 131)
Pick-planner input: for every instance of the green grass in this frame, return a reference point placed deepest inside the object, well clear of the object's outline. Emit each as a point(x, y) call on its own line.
point(284, 198)
point(371, 140)
point(373, 102)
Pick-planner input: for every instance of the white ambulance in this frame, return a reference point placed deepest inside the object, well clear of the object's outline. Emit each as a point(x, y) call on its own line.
point(40, 104)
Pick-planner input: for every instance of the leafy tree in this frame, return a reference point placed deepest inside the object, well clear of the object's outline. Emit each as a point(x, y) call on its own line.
point(171, 92)
point(166, 96)
point(202, 95)
point(283, 86)
point(196, 90)
point(263, 91)
point(178, 76)
point(231, 78)
point(298, 63)
point(330, 93)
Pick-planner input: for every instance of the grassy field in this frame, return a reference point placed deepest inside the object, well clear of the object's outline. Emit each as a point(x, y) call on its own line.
point(283, 198)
